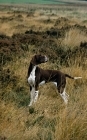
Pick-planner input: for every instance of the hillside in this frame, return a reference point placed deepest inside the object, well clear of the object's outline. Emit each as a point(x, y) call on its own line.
point(61, 34)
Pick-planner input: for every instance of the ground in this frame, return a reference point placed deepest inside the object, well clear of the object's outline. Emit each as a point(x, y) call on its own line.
point(60, 32)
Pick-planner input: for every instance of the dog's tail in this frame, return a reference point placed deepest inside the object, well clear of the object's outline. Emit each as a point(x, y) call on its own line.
point(72, 77)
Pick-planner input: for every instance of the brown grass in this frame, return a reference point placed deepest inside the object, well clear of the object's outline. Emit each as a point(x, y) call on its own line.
point(49, 118)
point(74, 37)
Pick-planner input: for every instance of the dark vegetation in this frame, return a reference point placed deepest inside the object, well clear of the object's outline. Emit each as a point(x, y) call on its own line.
point(45, 116)
point(45, 42)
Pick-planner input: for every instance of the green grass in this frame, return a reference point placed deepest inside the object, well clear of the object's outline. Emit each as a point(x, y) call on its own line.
point(36, 1)
point(30, 1)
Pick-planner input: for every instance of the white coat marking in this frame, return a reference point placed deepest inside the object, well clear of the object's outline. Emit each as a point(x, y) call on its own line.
point(43, 82)
point(55, 83)
point(64, 96)
point(31, 78)
point(36, 96)
point(77, 78)
point(32, 96)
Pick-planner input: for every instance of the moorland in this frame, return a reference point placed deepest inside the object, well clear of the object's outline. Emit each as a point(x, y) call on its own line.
point(60, 32)
point(43, 2)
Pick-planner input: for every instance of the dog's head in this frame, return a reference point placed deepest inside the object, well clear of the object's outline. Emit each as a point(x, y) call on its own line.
point(38, 59)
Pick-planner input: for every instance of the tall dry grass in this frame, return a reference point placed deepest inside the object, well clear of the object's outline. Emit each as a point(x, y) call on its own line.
point(49, 118)
point(74, 37)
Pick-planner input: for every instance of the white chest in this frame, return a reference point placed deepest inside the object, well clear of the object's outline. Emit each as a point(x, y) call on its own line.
point(31, 78)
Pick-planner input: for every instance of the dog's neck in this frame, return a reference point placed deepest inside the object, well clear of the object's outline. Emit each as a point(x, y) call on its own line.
point(31, 66)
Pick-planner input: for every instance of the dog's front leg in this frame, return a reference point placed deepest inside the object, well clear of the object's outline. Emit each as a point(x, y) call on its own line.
point(36, 96)
point(36, 93)
point(32, 95)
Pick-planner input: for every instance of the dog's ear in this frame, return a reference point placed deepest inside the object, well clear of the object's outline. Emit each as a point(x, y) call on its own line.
point(34, 59)
point(37, 59)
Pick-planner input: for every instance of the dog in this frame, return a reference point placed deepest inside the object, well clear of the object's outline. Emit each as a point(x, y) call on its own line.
point(38, 76)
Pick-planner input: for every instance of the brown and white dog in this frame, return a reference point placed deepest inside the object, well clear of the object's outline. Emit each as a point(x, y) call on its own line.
point(38, 76)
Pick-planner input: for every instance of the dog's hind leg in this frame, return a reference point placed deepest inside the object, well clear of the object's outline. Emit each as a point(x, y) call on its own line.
point(64, 96)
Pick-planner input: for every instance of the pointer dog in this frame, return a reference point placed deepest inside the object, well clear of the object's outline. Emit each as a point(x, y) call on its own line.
point(38, 76)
